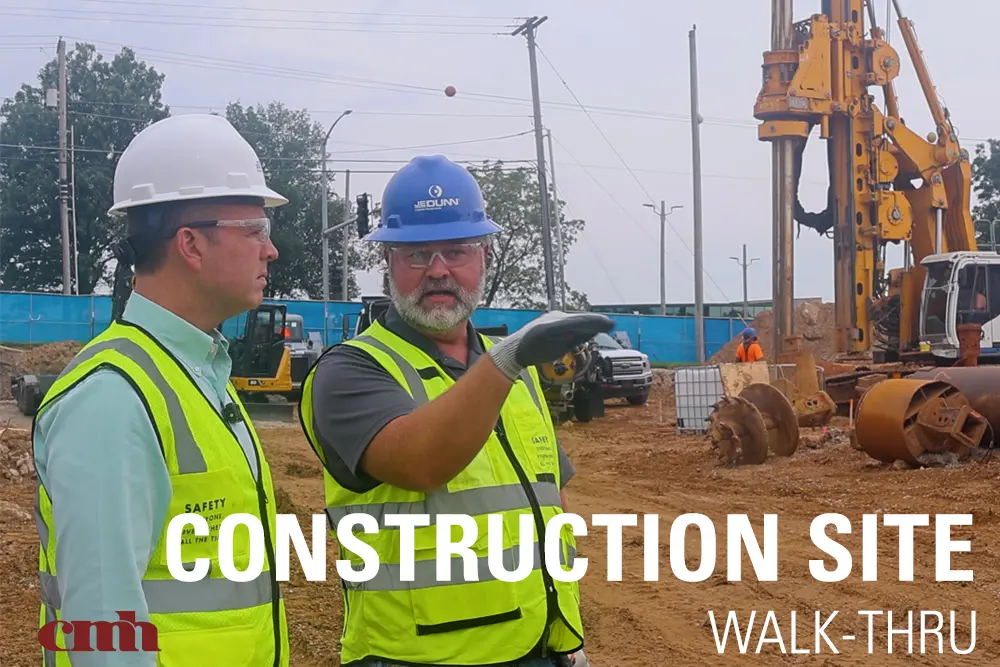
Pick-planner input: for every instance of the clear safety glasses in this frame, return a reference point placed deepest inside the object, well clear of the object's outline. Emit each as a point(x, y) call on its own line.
point(454, 256)
point(260, 227)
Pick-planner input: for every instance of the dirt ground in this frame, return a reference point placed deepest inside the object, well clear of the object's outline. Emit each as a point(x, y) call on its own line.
point(632, 461)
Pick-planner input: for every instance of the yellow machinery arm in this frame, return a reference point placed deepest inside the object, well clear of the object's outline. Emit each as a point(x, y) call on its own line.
point(818, 72)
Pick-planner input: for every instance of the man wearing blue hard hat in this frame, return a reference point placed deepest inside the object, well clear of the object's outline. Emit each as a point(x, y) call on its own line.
point(422, 415)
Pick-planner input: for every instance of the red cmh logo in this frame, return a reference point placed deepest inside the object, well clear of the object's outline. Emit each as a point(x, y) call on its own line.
point(80, 632)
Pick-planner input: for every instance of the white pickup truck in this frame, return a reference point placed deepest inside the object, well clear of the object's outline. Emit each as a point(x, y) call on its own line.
point(627, 372)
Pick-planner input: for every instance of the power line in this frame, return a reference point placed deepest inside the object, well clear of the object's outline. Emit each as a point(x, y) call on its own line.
point(450, 143)
point(219, 22)
point(625, 164)
point(266, 157)
point(273, 170)
point(325, 12)
point(200, 61)
point(222, 64)
point(604, 269)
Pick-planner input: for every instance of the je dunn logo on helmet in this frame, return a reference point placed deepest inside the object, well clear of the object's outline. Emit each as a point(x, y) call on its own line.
point(436, 201)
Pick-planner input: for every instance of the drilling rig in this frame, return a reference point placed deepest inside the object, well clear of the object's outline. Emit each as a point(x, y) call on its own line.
point(888, 185)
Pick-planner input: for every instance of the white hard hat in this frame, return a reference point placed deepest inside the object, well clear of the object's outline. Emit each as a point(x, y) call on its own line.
point(191, 156)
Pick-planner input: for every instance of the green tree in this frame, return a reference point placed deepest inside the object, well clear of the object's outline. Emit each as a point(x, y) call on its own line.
point(108, 103)
point(986, 185)
point(516, 274)
point(291, 149)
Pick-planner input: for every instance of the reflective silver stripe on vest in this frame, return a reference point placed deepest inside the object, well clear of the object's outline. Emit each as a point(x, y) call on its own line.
point(40, 525)
point(189, 458)
point(169, 596)
point(484, 500)
point(410, 374)
point(389, 575)
point(416, 385)
point(525, 377)
point(50, 616)
point(530, 384)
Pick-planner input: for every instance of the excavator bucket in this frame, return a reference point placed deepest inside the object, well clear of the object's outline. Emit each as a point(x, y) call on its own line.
point(271, 412)
point(760, 420)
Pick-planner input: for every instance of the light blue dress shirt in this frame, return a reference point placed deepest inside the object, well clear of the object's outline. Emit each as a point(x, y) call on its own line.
point(98, 458)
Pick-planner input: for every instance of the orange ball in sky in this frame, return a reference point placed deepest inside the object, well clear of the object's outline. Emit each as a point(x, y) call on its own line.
point(450, 91)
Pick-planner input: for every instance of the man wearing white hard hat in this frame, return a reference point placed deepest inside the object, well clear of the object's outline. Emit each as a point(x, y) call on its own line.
point(143, 425)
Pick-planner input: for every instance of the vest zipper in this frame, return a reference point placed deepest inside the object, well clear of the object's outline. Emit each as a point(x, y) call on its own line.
point(552, 604)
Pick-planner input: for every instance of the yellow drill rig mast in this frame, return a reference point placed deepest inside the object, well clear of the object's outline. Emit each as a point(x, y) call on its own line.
point(818, 73)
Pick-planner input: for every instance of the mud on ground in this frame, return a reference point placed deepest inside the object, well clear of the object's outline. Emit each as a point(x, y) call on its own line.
point(632, 461)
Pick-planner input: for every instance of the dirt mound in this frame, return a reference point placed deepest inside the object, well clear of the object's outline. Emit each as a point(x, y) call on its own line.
point(51, 358)
point(45, 359)
point(813, 321)
point(15, 454)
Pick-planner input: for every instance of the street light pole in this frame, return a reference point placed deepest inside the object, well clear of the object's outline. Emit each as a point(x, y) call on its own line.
point(326, 222)
point(663, 251)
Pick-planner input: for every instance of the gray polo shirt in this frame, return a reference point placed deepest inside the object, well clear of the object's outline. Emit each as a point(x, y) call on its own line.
point(354, 398)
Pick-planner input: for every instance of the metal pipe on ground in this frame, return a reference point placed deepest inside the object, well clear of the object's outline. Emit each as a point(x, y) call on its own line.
point(980, 385)
point(921, 421)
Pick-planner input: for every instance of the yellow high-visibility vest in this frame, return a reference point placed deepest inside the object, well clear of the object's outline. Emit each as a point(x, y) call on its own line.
point(209, 622)
point(458, 622)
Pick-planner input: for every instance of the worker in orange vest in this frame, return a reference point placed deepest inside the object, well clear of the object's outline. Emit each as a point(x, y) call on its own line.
point(749, 350)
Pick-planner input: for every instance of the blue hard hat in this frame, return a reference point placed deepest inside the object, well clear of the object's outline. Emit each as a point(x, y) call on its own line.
point(430, 199)
point(749, 332)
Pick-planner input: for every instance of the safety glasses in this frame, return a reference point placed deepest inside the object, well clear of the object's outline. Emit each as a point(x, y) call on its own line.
point(454, 256)
point(260, 227)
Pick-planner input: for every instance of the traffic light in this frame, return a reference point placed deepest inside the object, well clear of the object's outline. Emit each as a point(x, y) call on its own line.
point(363, 215)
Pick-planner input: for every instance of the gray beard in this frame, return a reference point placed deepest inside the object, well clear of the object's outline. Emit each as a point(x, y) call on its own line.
point(438, 318)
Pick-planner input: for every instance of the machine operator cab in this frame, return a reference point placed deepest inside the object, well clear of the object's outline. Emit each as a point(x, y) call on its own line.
point(960, 287)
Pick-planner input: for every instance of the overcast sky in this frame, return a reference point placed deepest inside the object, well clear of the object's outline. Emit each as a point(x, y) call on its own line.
point(614, 81)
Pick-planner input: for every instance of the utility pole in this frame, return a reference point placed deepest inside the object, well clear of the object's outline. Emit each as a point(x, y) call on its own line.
point(744, 264)
point(324, 212)
point(783, 209)
point(557, 225)
point(347, 235)
point(699, 296)
point(63, 159)
point(72, 185)
point(528, 28)
point(663, 251)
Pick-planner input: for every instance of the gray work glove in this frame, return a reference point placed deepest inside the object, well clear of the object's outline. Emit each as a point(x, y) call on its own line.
point(546, 339)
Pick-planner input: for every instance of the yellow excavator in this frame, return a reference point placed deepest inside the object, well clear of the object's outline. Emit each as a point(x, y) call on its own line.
point(888, 185)
point(262, 364)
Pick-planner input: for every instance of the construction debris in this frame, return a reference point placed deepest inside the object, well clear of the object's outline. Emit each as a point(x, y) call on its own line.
point(16, 462)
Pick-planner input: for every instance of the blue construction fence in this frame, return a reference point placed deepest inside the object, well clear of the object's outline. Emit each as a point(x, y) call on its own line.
point(35, 318)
